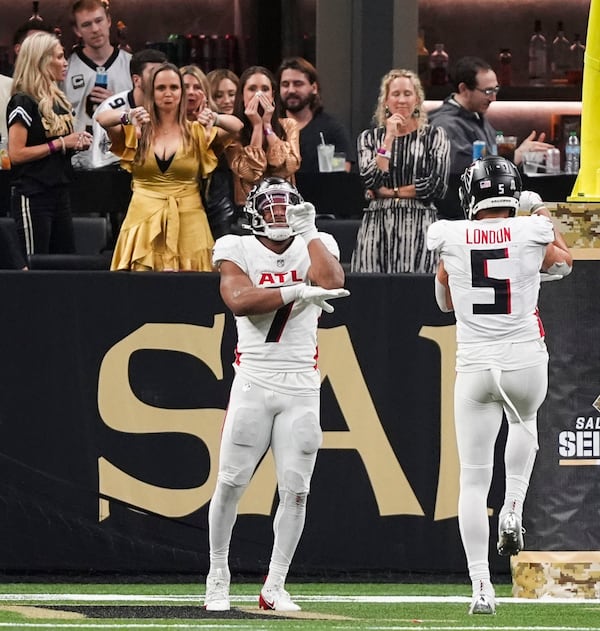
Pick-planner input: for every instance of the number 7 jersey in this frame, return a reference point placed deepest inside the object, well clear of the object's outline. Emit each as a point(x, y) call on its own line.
point(284, 340)
point(493, 270)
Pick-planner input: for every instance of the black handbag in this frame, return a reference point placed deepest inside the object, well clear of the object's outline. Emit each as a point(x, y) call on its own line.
point(216, 197)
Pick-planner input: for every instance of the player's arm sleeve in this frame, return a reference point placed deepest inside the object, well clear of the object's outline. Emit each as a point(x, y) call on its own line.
point(442, 296)
point(442, 289)
point(330, 243)
point(434, 235)
point(543, 229)
point(558, 260)
point(228, 248)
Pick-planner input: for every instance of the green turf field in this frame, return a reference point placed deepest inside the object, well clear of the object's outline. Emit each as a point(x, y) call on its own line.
point(75, 607)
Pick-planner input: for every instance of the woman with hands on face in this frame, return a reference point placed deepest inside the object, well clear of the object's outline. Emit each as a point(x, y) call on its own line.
point(41, 142)
point(166, 228)
point(267, 145)
point(404, 165)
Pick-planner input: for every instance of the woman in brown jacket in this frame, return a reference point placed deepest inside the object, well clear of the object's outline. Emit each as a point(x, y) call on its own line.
point(268, 145)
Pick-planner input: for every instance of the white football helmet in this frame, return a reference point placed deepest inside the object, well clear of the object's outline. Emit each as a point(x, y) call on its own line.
point(260, 205)
point(490, 182)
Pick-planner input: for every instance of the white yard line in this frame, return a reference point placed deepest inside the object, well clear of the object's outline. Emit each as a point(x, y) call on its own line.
point(221, 625)
point(128, 625)
point(471, 627)
point(194, 599)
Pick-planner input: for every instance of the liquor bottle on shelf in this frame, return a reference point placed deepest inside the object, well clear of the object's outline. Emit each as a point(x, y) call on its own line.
point(5, 65)
point(122, 37)
point(576, 54)
point(422, 58)
point(217, 52)
point(35, 13)
point(233, 53)
point(505, 67)
point(561, 52)
point(309, 50)
point(572, 153)
point(438, 65)
point(495, 150)
point(538, 56)
point(194, 48)
point(179, 49)
point(205, 53)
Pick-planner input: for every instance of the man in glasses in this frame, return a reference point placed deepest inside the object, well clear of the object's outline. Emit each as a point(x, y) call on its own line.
point(462, 115)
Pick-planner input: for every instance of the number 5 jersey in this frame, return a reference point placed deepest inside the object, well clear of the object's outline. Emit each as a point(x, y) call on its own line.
point(493, 270)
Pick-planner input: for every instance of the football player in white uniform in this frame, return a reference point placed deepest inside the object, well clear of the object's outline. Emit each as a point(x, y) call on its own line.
point(489, 274)
point(276, 282)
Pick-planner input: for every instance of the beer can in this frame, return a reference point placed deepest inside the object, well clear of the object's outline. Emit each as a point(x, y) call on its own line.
point(553, 161)
point(479, 149)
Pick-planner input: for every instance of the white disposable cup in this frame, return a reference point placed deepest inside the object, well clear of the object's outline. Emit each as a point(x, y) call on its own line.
point(325, 155)
point(532, 161)
point(553, 161)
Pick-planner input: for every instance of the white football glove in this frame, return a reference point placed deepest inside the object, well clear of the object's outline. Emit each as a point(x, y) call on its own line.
point(301, 219)
point(545, 277)
point(530, 201)
point(312, 293)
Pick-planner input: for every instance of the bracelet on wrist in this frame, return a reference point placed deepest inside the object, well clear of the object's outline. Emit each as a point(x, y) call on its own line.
point(52, 147)
point(384, 153)
point(63, 146)
point(216, 123)
point(125, 120)
point(396, 192)
point(268, 131)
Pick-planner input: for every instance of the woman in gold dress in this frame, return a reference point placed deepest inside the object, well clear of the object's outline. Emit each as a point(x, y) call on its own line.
point(165, 228)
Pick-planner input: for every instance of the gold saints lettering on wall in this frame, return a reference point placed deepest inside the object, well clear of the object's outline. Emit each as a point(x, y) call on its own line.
point(446, 501)
point(122, 411)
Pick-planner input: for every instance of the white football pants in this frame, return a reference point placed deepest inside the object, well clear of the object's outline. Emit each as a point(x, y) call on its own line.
point(480, 398)
point(256, 419)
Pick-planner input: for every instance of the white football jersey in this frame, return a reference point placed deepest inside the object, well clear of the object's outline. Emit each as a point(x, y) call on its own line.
point(284, 340)
point(101, 154)
point(80, 79)
point(493, 270)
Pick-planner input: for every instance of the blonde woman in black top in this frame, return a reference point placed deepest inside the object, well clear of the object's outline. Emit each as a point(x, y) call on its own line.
point(41, 142)
point(404, 164)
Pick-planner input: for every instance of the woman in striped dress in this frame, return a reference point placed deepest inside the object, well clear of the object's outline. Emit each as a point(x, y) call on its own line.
point(404, 165)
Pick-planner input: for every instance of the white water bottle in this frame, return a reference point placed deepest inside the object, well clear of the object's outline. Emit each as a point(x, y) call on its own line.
point(572, 153)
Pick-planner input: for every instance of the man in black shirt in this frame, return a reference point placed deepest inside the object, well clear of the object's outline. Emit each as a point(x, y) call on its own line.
point(463, 117)
point(299, 92)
